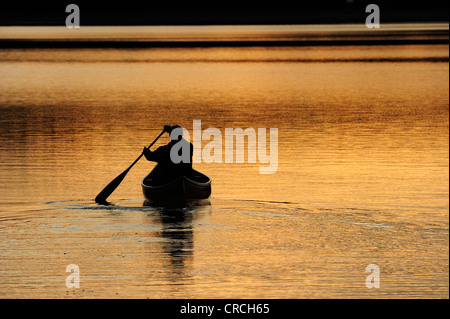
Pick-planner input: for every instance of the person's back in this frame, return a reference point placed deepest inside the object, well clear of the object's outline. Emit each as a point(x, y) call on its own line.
point(172, 164)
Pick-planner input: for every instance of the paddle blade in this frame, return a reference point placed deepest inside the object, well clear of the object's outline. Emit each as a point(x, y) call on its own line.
point(103, 195)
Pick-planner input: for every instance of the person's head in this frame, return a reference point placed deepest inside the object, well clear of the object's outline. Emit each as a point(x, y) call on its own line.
point(176, 133)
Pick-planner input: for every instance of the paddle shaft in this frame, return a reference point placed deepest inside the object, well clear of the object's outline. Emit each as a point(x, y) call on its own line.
point(137, 159)
point(103, 195)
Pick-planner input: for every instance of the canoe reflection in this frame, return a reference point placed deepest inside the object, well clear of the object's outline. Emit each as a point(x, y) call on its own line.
point(178, 236)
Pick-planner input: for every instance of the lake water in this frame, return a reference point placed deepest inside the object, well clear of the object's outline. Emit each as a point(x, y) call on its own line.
point(362, 177)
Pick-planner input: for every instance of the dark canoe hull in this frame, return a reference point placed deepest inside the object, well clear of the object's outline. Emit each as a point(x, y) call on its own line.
point(184, 191)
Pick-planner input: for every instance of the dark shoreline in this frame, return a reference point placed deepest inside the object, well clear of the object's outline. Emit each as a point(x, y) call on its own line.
point(19, 44)
point(131, 12)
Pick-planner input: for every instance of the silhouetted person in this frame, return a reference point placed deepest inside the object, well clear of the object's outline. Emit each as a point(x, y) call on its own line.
point(167, 168)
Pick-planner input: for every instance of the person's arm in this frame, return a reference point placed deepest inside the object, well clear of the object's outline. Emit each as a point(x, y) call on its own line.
point(155, 156)
point(148, 154)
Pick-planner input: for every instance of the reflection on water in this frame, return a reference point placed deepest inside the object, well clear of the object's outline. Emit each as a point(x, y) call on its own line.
point(362, 172)
point(178, 238)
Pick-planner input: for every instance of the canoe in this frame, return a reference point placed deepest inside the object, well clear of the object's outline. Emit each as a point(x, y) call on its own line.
point(191, 189)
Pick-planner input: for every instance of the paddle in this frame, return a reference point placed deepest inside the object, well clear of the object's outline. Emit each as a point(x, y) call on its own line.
point(103, 195)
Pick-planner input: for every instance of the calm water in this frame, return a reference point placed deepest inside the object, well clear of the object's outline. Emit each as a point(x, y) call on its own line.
point(362, 173)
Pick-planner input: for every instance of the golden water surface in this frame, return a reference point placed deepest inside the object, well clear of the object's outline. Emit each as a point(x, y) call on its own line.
point(362, 172)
